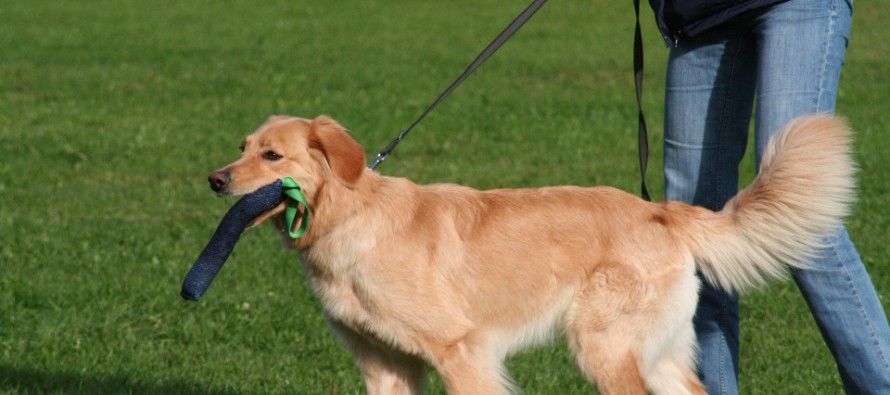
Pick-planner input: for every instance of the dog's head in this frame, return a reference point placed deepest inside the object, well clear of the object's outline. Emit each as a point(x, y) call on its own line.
point(312, 152)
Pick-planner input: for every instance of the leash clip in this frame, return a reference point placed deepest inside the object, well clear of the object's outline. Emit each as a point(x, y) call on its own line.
point(378, 159)
point(382, 155)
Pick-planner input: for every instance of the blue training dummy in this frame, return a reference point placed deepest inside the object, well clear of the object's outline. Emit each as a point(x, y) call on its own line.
point(233, 224)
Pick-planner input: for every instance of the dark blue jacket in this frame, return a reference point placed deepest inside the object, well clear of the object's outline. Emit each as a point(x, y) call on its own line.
point(678, 19)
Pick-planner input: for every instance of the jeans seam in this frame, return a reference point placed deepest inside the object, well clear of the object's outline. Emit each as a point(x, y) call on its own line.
point(721, 151)
point(721, 158)
point(723, 346)
point(832, 21)
point(860, 306)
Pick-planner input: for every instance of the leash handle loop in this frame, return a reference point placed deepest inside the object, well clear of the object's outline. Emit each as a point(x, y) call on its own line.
point(642, 138)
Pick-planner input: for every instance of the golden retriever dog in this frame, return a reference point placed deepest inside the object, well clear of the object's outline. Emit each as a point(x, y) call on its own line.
point(449, 277)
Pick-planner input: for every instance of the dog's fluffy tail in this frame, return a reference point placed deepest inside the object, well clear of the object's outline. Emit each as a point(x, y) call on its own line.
point(804, 190)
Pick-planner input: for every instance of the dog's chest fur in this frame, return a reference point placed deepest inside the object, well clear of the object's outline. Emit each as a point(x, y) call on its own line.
point(356, 295)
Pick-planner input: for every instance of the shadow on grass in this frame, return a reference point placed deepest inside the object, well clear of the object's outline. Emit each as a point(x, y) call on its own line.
point(26, 381)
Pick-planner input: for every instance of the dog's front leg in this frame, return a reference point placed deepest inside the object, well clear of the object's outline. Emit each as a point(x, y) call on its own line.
point(384, 370)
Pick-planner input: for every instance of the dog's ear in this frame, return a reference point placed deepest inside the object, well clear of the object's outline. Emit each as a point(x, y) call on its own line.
point(345, 156)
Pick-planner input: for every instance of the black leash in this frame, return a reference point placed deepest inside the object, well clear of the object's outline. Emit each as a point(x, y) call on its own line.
point(505, 35)
point(486, 53)
point(642, 135)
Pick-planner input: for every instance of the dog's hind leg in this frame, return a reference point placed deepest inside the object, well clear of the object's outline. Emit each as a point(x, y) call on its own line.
point(610, 359)
point(384, 370)
point(672, 377)
point(670, 349)
point(469, 367)
point(606, 326)
point(611, 364)
point(673, 373)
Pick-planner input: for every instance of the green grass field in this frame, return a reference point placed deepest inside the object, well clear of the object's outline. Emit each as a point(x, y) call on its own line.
point(112, 113)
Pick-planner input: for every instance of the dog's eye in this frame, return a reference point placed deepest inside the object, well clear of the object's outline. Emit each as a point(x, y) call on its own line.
point(271, 155)
point(241, 147)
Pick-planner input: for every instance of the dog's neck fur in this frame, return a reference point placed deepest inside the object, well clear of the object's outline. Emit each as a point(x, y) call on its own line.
point(373, 200)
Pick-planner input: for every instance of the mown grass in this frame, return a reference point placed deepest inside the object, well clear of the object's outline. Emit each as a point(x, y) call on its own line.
point(112, 113)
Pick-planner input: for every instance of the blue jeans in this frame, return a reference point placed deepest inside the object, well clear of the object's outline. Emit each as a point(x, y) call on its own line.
point(788, 57)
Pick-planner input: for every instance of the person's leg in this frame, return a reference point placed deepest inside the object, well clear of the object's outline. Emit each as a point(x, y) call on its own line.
point(801, 53)
point(848, 312)
point(801, 46)
point(708, 101)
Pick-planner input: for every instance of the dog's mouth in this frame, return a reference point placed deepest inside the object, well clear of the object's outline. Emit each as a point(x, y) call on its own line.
point(223, 185)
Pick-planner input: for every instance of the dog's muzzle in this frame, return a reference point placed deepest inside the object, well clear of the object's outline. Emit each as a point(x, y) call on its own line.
point(219, 180)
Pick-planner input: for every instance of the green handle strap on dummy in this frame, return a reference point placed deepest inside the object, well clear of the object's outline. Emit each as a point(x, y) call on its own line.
point(291, 189)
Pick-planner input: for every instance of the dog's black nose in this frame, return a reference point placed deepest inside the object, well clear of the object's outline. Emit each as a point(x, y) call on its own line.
point(219, 180)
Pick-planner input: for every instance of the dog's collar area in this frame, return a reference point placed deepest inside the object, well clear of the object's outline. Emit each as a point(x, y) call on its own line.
point(292, 190)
